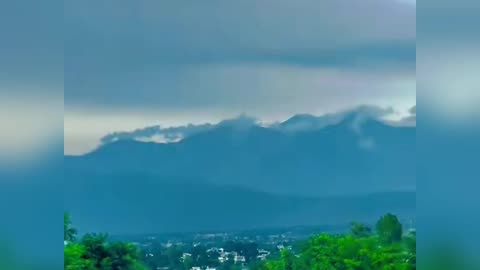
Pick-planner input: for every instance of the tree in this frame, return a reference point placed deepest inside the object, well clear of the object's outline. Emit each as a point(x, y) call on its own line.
point(69, 233)
point(358, 250)
point(74, 258)
point(250, 251)
point(360, 230)
point(411, 245)
point(257, 265)
point(288, 260)
point(94, 252)
point(389, 229)
point(95, 248)
point(173, 254)
point(121, 256)
point(110, 256)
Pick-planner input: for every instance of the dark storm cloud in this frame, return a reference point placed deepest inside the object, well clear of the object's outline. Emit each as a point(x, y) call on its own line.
point(444, 20)
point(203, 54)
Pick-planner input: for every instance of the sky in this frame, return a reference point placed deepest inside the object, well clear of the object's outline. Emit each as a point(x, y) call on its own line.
point(131, 64)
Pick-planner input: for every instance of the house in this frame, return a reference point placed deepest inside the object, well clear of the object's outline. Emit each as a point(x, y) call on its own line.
point(262, 257)
point(222, 259)
point(239, 258)
point(214, 249)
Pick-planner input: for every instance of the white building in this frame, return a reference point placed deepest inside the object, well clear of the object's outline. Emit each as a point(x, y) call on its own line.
point(239, 259)
point(214, 249)
point(262, 257)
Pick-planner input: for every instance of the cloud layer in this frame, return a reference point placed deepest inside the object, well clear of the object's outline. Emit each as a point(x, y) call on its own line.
point(183, 54)
point(268, 58)
point(297, 123)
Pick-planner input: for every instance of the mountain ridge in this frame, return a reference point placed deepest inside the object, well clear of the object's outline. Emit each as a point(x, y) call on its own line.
point(298, 122)
point(136, 203)
point(264, 158)
point(246, 176)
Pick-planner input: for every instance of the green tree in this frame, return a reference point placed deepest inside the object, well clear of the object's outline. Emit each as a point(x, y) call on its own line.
point(173, 254)
point(69, 233)
point(95, 248)
point(94, 252)
point(351, 253)
point(360, 230)
point(74, 258)
point(257, 265)
point(411, 245)
point(121, 256)
point(361, 249)
point(188, 263)
point(389, 229)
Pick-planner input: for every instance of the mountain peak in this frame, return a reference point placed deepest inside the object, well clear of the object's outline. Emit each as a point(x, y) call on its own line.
point(241, 122)
point(354, 117)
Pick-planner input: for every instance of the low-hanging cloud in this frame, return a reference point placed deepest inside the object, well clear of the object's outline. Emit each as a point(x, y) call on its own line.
point(298, 123)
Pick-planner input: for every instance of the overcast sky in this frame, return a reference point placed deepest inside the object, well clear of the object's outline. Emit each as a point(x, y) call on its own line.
point(130, 64)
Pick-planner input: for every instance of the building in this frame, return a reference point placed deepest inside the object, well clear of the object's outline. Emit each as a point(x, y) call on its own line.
point(222, 259)
point(214, 249)
point(262, 257)
point(239, 259)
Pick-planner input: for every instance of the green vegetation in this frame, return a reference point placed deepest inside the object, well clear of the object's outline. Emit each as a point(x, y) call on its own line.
point(93, 252)
point(387, 249)
point(389, 229)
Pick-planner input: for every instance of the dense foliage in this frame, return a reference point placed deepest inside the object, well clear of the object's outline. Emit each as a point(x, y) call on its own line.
point(94, 252)
point(388, 249)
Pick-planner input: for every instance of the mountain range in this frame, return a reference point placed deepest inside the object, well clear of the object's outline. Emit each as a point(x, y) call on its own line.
point(239, 174)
